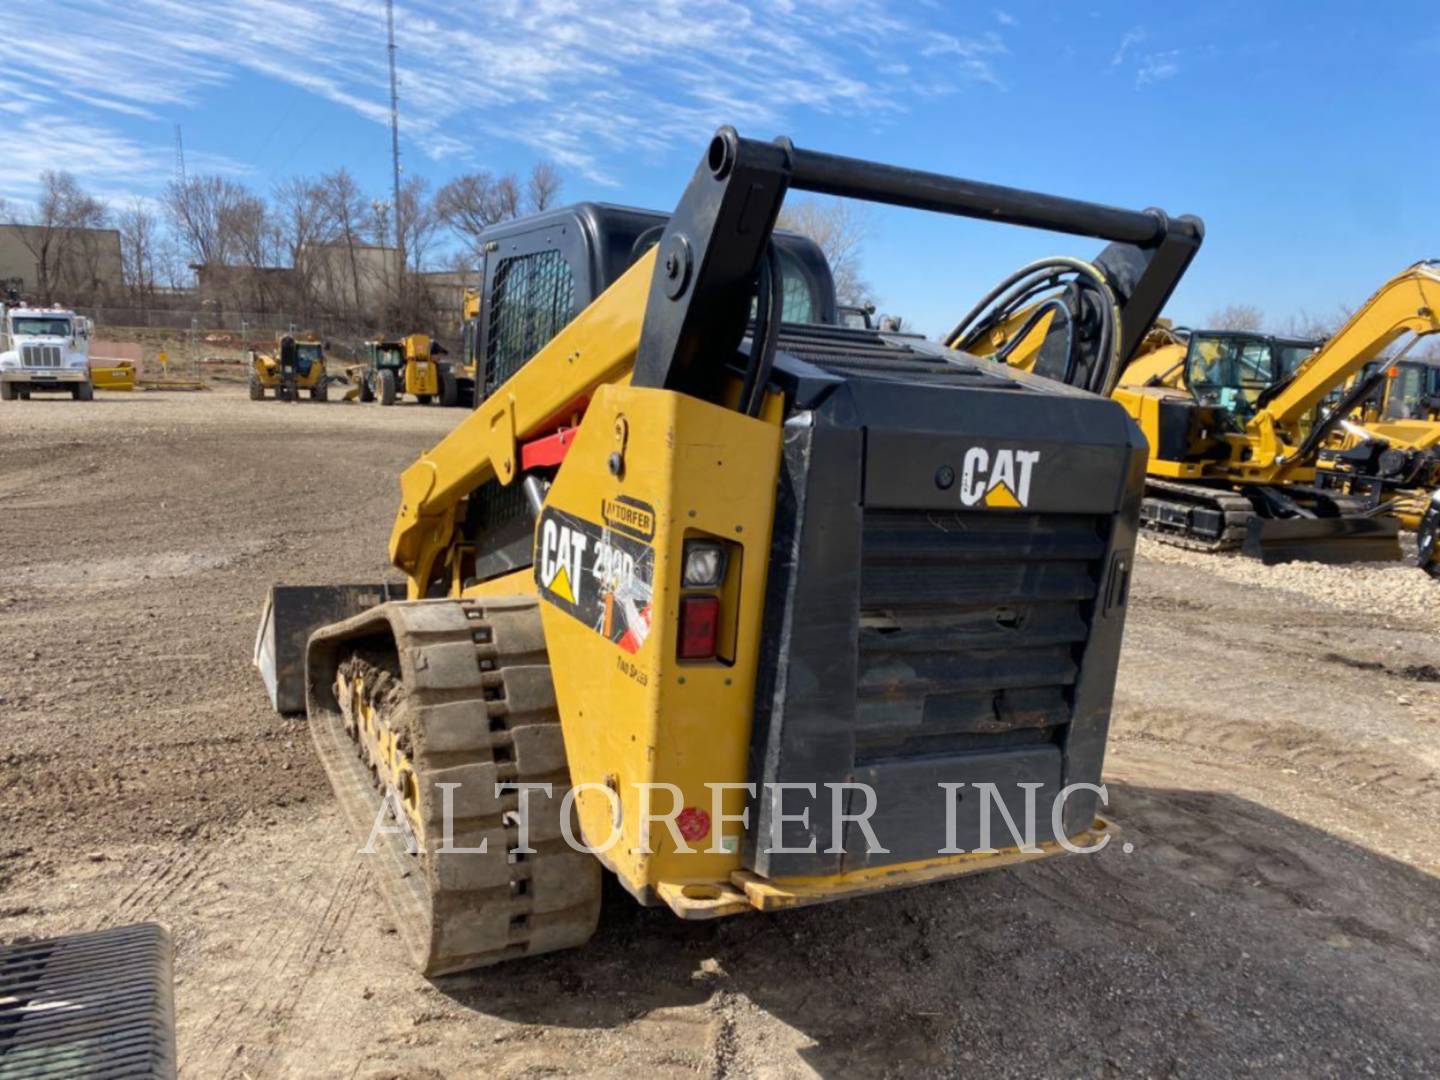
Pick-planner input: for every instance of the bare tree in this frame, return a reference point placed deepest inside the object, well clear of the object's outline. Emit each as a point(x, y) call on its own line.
point(1236, 317)
point(204, 211)
point(542, 189)
point(54, 223)
point(466, 205)
point(352, 216)
point(471, 203)
point(255, 241)
point(139, 240)
point(839, 227)
point(305, 226)
point(1303, 324)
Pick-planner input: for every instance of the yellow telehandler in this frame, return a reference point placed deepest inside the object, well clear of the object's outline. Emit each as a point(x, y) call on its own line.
point(296, 365)
point(409, 365)
point(747, 607)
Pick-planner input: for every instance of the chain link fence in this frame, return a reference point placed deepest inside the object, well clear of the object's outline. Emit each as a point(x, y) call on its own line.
point(206, 321)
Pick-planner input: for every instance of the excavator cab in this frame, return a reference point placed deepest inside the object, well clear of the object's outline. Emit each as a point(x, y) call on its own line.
point(1228, 372)
point(1235, 372)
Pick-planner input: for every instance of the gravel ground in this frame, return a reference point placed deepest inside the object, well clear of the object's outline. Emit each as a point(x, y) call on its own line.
point(1271, 902)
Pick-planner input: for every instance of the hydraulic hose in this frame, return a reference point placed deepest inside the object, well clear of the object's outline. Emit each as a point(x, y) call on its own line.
point(769, 313)
point(1046, 275)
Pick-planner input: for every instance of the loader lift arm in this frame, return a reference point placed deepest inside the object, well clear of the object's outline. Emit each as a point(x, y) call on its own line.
point(701, 278)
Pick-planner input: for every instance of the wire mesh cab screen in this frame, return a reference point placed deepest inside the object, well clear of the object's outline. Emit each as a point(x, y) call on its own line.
point(532, 299)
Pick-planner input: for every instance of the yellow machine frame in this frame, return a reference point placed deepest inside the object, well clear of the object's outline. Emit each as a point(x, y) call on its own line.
point(703, 470)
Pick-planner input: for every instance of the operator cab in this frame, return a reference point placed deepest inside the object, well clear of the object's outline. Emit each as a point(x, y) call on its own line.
point(1234, 372)
point(388, 354)
point(542, 271)
point(1413, 390)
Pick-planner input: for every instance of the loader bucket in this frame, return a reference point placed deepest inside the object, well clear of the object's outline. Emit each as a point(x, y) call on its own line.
point(119, 376)
point(1327, 540)
point(291, 614)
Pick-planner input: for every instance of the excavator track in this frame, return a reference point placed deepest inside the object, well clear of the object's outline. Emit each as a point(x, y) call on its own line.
point(1169, 514)
point(413, 695)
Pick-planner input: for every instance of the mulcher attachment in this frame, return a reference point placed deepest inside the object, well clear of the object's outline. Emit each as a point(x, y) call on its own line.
point(96, 1004)
point(414, 695)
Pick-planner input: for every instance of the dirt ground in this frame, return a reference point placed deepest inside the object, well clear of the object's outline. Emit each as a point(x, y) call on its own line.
point(1275, 904)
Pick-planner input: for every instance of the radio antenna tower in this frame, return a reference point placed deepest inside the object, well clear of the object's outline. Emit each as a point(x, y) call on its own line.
point(180, 177)
point(395, 133)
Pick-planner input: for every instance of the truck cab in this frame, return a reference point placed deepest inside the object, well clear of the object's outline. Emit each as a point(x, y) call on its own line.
point(44, 349)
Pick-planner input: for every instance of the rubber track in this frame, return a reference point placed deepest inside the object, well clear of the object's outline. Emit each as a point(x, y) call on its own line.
point(1237, 509)
point(478, 707)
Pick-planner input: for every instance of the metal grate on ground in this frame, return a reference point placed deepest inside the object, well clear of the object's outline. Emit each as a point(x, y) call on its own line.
point(93, 1005)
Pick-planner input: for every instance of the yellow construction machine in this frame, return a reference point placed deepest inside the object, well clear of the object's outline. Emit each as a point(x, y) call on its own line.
point(1388, 449)
point(1237, 424)
point(467, 372)
point(750, 608)
point(1427, 537)
point(409, 365)
point(296, 365)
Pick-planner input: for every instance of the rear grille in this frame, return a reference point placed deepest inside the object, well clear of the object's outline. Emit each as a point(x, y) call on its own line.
point(972, 628)
point(40, 356)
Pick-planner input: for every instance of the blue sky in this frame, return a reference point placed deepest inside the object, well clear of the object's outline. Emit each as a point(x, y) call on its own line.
point(1301, 132)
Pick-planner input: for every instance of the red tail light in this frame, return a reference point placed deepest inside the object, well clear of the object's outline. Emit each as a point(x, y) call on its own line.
point(699, 627)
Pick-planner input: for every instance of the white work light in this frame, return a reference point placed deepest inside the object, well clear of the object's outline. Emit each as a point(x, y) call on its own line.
point(704, 564)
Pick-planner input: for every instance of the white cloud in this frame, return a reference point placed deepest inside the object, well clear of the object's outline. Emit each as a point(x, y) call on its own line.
point(1129, 41)
point(1149, 67)
point(1004, 18)
point(587, 82)
point(1157, 67)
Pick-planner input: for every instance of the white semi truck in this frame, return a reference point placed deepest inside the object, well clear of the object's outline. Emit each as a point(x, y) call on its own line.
point(44, 349)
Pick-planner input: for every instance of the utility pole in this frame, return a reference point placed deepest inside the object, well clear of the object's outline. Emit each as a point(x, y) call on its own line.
point(395, 145)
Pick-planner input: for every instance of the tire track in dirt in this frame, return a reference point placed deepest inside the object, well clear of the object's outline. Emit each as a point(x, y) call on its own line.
point(300, 969)
point(165, 883)
point(313, 919)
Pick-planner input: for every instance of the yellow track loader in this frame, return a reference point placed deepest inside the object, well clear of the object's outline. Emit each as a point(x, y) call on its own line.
point(296, 365)
point(711, 592)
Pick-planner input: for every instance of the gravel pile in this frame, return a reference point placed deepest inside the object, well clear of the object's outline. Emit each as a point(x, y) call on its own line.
point(1361, 588)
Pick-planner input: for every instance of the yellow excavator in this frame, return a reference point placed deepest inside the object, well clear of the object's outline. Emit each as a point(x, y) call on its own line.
point(744, 606)
point(1236, 425)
